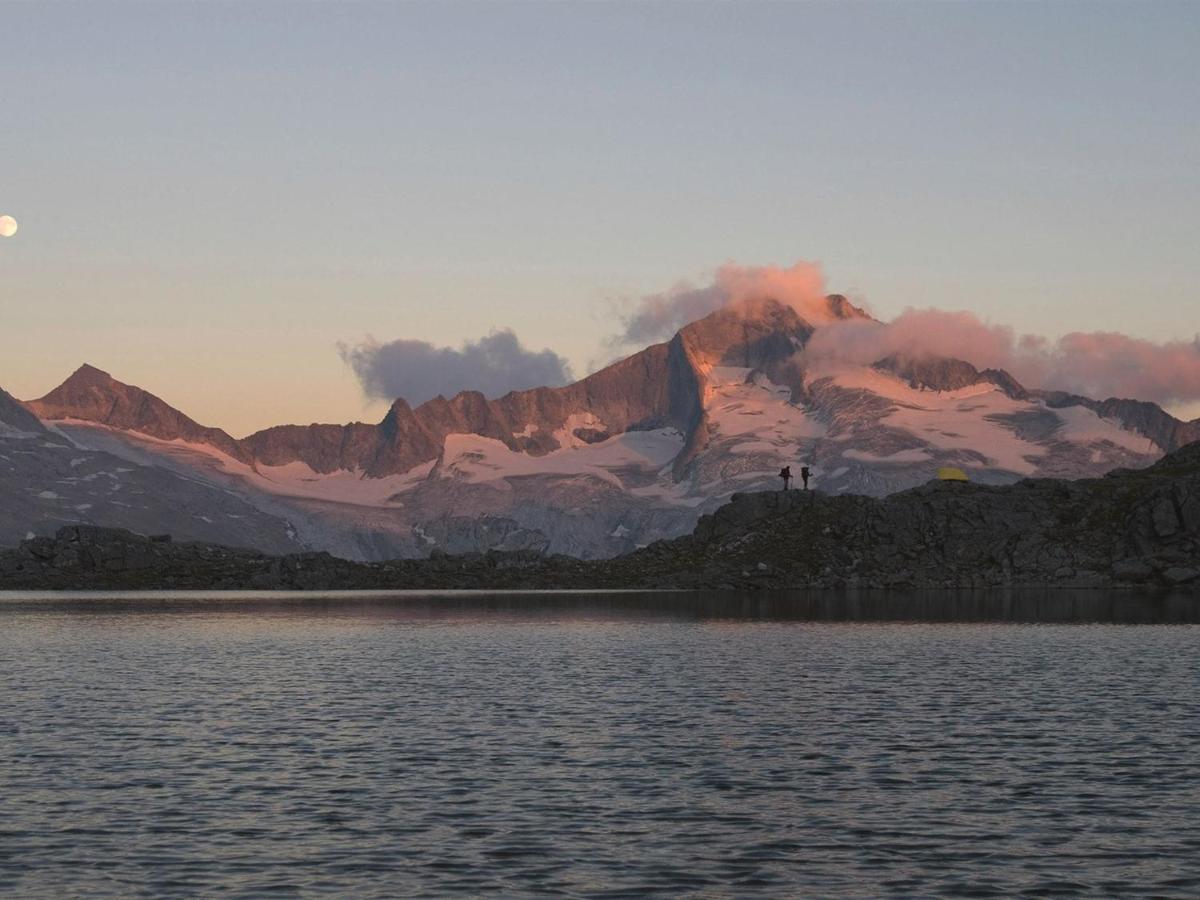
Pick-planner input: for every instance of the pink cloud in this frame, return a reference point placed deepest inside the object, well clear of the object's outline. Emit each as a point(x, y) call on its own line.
point(1106, 363)
point(1096, 364)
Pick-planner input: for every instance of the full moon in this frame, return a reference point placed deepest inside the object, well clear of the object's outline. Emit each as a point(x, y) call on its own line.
point(8, 226)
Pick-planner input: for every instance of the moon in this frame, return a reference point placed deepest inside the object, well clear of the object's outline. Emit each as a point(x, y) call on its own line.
point(8, 226)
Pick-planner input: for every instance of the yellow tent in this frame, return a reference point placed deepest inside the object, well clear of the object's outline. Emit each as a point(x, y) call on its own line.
point(950, 474)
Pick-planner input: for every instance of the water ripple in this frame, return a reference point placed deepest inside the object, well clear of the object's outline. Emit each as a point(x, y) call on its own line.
point(193, 751)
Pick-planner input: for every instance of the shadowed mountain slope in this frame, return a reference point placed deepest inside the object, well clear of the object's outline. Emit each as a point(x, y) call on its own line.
point(14, 414)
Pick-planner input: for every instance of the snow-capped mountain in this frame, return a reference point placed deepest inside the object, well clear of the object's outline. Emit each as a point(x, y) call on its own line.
point(632, 453)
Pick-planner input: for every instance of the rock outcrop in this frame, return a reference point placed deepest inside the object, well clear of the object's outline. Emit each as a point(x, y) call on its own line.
point(1129, 527)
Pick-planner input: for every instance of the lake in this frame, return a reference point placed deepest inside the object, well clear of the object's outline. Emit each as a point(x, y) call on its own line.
point(599, 745)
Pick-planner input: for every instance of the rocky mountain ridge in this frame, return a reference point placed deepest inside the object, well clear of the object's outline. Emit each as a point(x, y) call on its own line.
point(660, 386)
point(636, 452)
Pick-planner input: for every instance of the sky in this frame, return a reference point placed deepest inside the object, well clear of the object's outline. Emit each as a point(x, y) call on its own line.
point(222, 203)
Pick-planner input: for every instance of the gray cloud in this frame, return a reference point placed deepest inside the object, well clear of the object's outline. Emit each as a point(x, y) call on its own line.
point(418, 371)
point(658, 316)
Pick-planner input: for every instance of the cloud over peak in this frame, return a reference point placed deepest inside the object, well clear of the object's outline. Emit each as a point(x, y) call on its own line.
point(418, 371)
point(656, 317)
point(1096, 364)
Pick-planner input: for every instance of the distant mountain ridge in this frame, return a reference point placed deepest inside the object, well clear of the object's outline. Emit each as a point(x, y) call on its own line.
point(634, 452)
point(656, 387)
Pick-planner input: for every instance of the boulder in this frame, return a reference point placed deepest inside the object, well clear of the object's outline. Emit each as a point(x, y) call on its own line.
point(1181, 574)
point(1135, 570)
point(1166, 522)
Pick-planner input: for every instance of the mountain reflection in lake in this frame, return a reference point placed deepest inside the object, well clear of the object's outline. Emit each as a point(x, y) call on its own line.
point(599, 744)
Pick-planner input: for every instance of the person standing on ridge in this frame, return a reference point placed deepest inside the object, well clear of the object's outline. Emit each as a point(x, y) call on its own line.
point(786, 474)
point(804, 473)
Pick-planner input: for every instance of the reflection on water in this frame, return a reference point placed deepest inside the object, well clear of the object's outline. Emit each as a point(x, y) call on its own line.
point(1044, 606)
point(599, 745)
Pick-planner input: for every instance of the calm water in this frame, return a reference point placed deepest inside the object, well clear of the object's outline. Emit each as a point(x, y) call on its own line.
point(599, 745)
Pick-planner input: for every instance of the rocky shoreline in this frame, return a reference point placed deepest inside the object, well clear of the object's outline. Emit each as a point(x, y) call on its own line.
point(1129, 528)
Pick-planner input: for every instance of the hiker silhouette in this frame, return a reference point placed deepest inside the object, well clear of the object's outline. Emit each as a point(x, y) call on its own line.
point(804, 473)
point(786, 474)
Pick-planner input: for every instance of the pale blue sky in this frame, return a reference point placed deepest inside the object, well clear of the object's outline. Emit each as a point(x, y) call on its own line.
point(211, 196)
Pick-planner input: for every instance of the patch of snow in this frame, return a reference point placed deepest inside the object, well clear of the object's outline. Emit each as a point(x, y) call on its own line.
point(204, 462)
point(298, 479)
point(478, 459)
point(887, 385)
point(760, 413)
point(947, 420)
point(673, 493)
point(47, 495)
point(915, 454)
point(1084, 426)
point(753, 447)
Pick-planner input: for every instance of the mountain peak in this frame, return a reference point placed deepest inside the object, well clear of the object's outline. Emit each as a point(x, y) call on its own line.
point(90, 371)
point(92, 395)
point(88, 375)
point(758, 331)
point(841, 308)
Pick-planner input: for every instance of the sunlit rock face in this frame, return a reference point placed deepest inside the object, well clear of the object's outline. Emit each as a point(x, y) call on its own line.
point(631, 454)
point(95, 396)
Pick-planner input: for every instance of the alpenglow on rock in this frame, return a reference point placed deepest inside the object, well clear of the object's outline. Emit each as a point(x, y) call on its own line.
point(633, 453)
